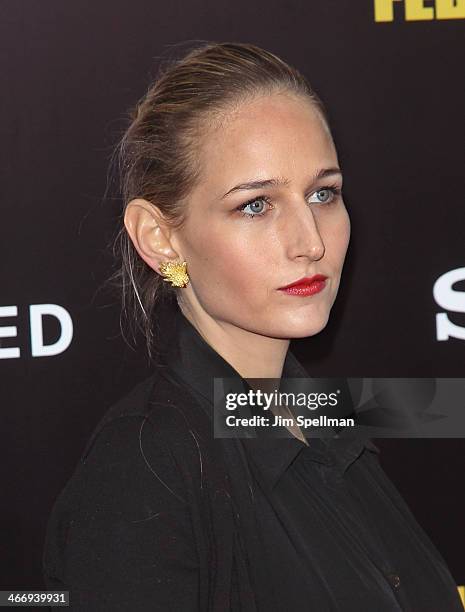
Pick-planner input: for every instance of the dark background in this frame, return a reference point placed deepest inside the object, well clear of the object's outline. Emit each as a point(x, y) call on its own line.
point(395, 95)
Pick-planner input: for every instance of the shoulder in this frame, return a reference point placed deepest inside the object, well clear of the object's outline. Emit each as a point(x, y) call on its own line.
point(154, 448)
point(125, 517)
point(158, 412)
point(143, 448)
point(133, 469)
point(127, 465)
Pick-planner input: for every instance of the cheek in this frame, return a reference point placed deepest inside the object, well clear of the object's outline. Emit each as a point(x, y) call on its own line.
point(228, 265)
point(342, 241)
point(338, 237)
point(244, 263)
point(347, 229)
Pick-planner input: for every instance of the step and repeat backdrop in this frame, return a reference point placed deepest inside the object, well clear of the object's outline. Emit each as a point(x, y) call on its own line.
point(391, 75)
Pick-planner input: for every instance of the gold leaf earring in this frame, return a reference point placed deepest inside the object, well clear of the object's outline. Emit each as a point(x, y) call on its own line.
point(175, 272)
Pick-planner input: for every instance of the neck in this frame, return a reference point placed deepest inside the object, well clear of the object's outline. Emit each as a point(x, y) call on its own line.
point(252, 355)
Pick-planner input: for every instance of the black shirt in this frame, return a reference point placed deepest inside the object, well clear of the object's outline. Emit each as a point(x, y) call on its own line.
point(160, 515)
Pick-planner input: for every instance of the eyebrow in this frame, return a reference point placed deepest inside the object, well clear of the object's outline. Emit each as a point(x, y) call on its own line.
point(276, 182)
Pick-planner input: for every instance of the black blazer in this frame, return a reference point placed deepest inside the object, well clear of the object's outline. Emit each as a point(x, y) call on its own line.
point(160, 515)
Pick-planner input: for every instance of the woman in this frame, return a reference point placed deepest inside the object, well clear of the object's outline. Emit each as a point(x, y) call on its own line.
point(232, 191)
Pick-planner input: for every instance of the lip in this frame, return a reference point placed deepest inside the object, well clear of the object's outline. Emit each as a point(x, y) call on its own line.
point(306, 281)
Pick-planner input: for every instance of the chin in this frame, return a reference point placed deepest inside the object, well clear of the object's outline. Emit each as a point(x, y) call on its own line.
point(309, 330)
point(302, 327)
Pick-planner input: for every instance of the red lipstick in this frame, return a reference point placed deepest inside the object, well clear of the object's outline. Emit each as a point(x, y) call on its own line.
point(306, 286)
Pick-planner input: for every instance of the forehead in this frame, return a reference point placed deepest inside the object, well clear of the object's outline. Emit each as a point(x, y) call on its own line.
point(274, 134)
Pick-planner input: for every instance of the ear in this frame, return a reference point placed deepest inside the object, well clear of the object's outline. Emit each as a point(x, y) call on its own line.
point(149, 234)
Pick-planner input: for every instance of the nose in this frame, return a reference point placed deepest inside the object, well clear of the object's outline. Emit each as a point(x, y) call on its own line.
point(302, 234)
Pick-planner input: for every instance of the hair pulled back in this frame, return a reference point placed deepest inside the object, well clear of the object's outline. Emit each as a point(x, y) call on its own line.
point(158, 154)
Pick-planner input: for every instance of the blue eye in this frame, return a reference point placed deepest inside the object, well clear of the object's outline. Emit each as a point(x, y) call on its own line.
point(334, 193)
point(251, 203)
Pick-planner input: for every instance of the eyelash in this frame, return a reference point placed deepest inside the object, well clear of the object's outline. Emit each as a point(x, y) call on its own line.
point(336, 191)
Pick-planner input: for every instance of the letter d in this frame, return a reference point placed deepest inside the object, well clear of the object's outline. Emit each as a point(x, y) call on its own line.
point(36, 312)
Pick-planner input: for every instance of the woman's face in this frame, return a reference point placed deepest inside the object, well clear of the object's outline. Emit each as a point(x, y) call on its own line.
point(237, 263)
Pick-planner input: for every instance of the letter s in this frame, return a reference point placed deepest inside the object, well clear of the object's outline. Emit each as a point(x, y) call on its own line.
point(449, 299)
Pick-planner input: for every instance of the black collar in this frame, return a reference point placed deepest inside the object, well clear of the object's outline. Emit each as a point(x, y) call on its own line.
point(196, 363)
